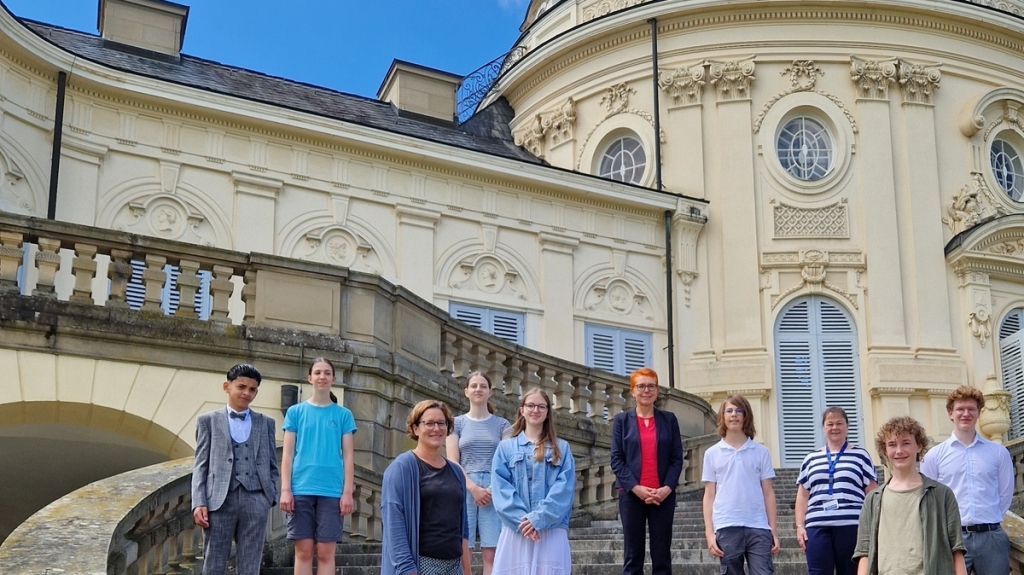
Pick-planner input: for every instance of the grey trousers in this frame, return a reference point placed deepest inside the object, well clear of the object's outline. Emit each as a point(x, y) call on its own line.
point(988, 553)
point(739, 543)
point(242, 518)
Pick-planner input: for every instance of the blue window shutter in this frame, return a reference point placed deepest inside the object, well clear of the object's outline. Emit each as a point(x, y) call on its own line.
point(619, 351)
point(507, 325)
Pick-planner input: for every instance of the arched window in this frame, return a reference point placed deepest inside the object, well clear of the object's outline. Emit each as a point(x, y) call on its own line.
point(623, 160)
point(815, 367)
point(1011, 365)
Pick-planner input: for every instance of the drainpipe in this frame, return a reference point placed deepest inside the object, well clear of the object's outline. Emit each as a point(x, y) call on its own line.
point(658, 185)
point(58, 134)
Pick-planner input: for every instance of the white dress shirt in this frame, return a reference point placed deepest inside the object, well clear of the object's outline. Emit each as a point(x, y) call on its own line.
point(239, 428)
point(980, 475)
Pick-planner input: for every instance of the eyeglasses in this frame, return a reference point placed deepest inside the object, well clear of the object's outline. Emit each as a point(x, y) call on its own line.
point(734, 410)
point(535, 407)
point(647, 387)
point(433, 424)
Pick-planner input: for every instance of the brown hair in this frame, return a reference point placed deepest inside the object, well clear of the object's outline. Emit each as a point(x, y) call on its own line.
point(420, 408)
point(547, 433)
point(965, 393)
point(642, 372)
point(741, 402)
point(490, 406)
point(904, 425)
point(837, 411)
point(315, 361)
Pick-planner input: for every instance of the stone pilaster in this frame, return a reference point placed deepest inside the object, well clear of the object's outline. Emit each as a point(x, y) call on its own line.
point(416, 230)
point(557, 274)
point(255, 208)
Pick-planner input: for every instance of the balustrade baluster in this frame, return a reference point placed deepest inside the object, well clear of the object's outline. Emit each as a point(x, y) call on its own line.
point(249, 297)
point(357, 526)
point(189, 283)
point(448, 353)
point(11, 255)
point(190, 549)
point(598, 399)
point(606, 488)
point(462, 362)
point(119, 271)
point(153, 278)
point(221, 288)
point(513, 377)
point(496, 368)
point(580, 394)
point(83, 266)
point(374, 525)
point(563, 392)
point(530, 377)
point(477, 357)
point(615, 400)
point(47, 262)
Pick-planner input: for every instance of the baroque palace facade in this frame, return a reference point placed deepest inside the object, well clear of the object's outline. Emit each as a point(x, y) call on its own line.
point(839, 219)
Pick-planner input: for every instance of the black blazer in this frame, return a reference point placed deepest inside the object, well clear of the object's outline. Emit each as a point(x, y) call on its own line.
point(625, 456)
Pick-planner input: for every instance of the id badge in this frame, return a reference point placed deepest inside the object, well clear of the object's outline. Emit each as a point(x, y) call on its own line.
point(830, 505)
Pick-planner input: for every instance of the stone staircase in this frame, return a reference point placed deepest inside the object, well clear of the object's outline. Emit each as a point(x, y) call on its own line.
point(597, 545)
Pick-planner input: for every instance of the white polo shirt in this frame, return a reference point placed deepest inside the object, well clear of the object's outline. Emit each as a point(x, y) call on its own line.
point(737, 475)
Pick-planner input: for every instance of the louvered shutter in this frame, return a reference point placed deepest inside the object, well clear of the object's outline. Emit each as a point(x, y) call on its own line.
point(1011, 323)
point(1011, 363)
point(619, 351)
point(600, 346)
point(510, 326)
point(816, 368)
point(636, 351)
point(135, 292)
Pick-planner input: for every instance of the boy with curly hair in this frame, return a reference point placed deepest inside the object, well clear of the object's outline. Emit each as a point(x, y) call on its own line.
point(911, 524)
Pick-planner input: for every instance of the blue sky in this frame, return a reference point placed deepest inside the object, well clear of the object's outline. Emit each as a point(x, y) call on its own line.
point(346, 45)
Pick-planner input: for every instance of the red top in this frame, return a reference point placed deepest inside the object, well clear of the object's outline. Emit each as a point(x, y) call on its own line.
point(648, 452)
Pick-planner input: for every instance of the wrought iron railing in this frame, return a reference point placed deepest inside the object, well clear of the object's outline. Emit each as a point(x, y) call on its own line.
point(477, 84)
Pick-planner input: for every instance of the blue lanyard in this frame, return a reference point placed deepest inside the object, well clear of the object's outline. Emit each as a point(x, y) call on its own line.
point(832, 465)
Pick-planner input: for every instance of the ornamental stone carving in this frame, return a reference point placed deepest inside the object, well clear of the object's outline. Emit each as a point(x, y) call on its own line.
point(971, 205)
point(1010, 117)
point(603, 7)
point(803, 75)
point(618, 296)
point(165, 216)
point(813, 267)
point(1011, 248)
point(339, 246)
point(980, 322)
point(558, 124)
point(873, 77)
point(684, 85)
point(15, 194)
point(829, 221)
point(488, 274)
point(732, 78)
point(616, 98)
point(919, 81)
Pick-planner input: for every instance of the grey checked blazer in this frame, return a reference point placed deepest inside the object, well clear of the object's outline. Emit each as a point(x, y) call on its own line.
point(211, 474)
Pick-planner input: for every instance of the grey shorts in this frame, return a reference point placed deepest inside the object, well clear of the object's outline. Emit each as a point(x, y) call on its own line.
point(317, 518)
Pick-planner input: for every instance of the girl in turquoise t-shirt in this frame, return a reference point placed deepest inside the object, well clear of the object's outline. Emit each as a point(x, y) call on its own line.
point(317, 469)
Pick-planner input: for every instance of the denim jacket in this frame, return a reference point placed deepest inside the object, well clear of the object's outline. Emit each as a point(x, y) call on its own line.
point(522, 486)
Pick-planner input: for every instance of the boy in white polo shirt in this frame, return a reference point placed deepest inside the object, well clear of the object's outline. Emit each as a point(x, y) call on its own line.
point(739, 501)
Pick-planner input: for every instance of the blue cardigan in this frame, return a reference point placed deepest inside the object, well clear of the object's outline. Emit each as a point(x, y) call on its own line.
point(400, 511)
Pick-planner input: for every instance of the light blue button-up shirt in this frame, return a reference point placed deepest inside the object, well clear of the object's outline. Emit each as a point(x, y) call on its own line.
point(239, 428)
point(541, 491)
point(980, 475)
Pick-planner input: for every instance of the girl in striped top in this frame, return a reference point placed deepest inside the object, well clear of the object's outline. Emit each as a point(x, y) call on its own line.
point(832, 484)
point(472, 445)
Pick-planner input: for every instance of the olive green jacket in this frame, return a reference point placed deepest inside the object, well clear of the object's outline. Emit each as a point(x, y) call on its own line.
point(940, 524)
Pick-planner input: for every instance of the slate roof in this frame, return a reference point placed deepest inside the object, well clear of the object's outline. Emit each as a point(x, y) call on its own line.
point(488, 134)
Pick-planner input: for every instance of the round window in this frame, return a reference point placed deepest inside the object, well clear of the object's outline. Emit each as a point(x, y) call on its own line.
point(805, 149)
point(1007, 169)
point(623, 160)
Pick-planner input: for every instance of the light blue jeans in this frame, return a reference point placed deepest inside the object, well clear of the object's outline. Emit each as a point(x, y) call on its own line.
point(483, 518)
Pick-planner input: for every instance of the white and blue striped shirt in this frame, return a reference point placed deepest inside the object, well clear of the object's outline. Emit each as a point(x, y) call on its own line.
point(854, 472)
point(478, 438)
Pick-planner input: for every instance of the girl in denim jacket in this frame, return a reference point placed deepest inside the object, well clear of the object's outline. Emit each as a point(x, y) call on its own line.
point(533, 481)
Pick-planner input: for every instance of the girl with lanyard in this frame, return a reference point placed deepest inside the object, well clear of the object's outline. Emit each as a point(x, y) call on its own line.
point(831, 487)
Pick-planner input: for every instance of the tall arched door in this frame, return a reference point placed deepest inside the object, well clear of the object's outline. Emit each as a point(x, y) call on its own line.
point(815, 367)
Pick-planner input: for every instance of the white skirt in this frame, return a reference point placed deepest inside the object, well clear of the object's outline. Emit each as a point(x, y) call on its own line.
point(517, 555)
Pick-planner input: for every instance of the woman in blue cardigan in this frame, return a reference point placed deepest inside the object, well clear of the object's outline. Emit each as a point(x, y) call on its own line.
point(647, 458)
point(423, 502)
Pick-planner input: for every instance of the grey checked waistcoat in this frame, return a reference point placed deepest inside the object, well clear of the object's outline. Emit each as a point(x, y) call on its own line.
point(243, 468)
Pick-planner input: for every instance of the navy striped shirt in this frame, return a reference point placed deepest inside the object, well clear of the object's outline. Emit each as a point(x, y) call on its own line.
point(854, 471)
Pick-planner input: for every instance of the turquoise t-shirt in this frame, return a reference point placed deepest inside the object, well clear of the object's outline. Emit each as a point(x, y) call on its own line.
point(317, 468)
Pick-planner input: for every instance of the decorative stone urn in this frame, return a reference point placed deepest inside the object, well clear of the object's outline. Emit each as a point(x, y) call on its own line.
point(995, 417)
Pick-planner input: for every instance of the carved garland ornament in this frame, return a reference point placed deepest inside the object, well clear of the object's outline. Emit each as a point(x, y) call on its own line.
point(615, 102)
point(813, 265)
point(803, 74)
point(603, 7)
point(980, 322)
point(559, 123)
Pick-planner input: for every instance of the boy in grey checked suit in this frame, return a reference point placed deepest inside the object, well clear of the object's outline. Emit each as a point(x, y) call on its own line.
point(234, 481)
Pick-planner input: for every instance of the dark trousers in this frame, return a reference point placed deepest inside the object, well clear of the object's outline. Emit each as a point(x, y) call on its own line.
point(745, 543)
point(242, 518)
point(830, 550)
point(637, 519)
point(988, 553)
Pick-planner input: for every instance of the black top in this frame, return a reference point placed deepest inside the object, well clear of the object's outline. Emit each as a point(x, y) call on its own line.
point(441, 500)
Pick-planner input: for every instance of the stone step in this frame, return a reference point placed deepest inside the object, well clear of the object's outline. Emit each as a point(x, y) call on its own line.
point(781, 568)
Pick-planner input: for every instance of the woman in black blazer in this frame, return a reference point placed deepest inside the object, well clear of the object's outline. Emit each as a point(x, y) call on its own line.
point(647, 458)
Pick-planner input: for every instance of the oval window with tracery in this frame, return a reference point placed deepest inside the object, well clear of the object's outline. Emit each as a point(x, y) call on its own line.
point(623, 160)
point(805, 149)
point(1007, 168)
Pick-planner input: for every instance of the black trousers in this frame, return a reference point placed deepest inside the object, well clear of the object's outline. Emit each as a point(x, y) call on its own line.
point(639, 519)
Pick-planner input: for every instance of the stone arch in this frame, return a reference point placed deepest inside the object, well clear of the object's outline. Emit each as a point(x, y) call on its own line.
point(469, 265)
point(22, 184)
point(603, 291)
point(322, 238)
point(183, 213)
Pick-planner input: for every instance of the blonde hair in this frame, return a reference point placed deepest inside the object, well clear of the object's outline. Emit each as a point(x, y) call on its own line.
point(547, 433)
